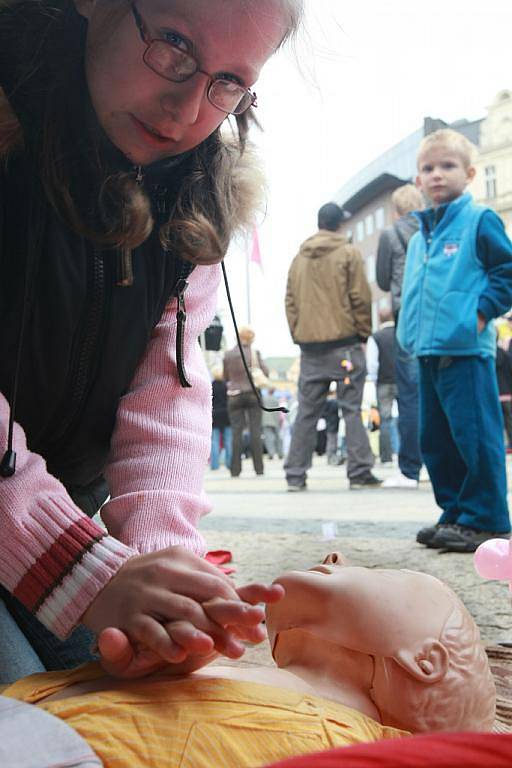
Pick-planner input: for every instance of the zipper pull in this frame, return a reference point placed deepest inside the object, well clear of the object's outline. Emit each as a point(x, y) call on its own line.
point(140, 176)
point(181, 317)
point(125, 268)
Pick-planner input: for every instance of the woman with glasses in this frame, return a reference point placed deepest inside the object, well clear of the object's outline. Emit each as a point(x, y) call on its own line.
point(119, 194)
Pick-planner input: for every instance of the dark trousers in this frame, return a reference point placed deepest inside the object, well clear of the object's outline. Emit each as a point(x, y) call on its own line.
point(506, 407)
point(316, 373)
point(406, 371)
point(386, 394)
point(241, 407)
point(461, 435)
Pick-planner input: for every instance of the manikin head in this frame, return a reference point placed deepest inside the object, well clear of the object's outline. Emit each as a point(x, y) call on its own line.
point(402, 638)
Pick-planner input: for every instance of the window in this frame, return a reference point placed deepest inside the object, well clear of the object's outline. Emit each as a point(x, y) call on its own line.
point(491, 191)
point(370, 269)
point(360, 231)
point(369, 224)
point(380, 218)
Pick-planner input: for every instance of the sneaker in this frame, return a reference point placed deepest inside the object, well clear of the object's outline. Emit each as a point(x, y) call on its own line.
point(425, 535)
point(400, 481)
point(294, 488)
point(366, 480)
point(462, 538)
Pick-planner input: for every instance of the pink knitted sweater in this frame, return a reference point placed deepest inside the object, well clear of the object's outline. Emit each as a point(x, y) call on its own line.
point(52, 557)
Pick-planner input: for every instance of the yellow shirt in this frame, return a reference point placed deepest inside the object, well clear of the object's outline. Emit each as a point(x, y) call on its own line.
point(198, 723)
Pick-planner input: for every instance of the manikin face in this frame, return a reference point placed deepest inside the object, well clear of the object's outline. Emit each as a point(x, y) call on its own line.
point(443, 175)
point(371, 611)
point(401, 639)
point(147, 117)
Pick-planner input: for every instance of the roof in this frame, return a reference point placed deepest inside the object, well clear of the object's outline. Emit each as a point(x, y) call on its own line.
point(396, 166)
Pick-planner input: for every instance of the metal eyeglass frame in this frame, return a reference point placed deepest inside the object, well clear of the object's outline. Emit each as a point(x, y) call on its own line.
point(148, 42)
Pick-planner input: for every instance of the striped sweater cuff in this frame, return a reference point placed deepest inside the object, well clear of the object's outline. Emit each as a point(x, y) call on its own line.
point(65, 576)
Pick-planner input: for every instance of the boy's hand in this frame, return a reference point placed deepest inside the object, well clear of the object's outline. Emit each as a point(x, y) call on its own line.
point(481, 322)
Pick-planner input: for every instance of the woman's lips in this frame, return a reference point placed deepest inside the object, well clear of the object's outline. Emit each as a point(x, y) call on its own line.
point(150, 134)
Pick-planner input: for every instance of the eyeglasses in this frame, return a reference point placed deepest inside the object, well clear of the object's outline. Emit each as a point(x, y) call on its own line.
point(178, 66)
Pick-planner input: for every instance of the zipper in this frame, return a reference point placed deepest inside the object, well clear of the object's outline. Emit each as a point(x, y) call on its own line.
point(428, 241)
point(181, 319)
point(80, 374)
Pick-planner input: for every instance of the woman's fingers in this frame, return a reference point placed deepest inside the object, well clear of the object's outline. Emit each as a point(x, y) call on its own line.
point(120, 658)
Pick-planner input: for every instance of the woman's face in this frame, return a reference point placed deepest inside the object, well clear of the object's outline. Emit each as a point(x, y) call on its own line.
point(147, 117)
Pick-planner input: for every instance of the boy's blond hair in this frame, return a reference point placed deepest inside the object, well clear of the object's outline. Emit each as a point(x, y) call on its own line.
point(407, 198)
point(450, 139)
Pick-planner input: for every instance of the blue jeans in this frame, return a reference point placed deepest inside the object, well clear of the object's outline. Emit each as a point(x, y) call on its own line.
point(461, 432)
point(26, 646)
point(217, 433)
point(406, 371)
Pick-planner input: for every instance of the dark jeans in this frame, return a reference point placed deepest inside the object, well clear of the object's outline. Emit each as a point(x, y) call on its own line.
point(462, 441)
point(409, 455)
point(386, 394)
point(506, 407)
point(32, 647)
point(241, 407)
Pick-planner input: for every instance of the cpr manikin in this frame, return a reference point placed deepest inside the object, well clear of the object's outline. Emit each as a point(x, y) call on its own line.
point(397, 645)
point(361, 655)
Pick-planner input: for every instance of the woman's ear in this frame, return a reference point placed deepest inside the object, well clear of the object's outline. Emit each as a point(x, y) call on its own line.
point(85, 7)
point(428, 664)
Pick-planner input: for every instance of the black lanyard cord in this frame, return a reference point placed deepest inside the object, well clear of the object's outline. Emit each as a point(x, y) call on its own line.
point(281, 409)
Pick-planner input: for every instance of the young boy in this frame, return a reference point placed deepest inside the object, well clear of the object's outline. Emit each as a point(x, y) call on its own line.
point(458, 278)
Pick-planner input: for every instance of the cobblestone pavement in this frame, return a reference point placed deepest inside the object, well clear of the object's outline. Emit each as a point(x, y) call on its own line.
point(269, 531)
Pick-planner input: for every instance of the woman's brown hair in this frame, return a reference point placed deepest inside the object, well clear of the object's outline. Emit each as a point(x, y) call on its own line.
point(222, 184)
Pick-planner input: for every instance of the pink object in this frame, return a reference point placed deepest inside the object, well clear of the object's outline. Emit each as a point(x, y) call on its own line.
point(256, 251)
point(220, 557)
point(51, 555)
point(493, 560)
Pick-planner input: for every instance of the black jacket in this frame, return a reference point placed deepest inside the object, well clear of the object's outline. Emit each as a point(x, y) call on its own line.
point(85, 334)
point(391, 255)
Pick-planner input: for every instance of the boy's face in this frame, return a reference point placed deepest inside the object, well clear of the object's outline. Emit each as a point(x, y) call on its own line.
point(442, 174)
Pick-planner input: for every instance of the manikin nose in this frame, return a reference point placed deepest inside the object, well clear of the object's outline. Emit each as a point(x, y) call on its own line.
point(185, 100)
point(335, 558)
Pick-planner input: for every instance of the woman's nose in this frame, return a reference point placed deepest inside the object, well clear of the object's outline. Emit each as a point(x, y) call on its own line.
point(184, 101)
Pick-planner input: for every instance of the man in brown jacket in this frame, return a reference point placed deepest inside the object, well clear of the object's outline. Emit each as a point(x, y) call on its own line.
point(328, 306)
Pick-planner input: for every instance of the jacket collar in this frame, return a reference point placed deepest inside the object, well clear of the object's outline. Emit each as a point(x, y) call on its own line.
point(438, 219)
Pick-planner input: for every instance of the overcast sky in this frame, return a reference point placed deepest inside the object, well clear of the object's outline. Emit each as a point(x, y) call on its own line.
point(363, 76)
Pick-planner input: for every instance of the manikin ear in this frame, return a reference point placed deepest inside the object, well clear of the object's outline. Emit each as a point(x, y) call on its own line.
point(85, 7)
point(428, 664)
point(418, 182)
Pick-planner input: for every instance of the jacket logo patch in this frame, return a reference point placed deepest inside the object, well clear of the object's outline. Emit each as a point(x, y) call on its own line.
point(451, 249)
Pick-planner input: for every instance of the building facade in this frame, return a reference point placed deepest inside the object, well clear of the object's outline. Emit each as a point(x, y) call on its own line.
point(367, 196)
point(493, 181)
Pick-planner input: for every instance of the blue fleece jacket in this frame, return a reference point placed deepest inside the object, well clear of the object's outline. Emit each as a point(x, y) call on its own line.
point(458, 263)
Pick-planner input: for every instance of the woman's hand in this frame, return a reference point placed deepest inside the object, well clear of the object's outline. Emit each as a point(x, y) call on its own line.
point(122, 657)
point(156, 599)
